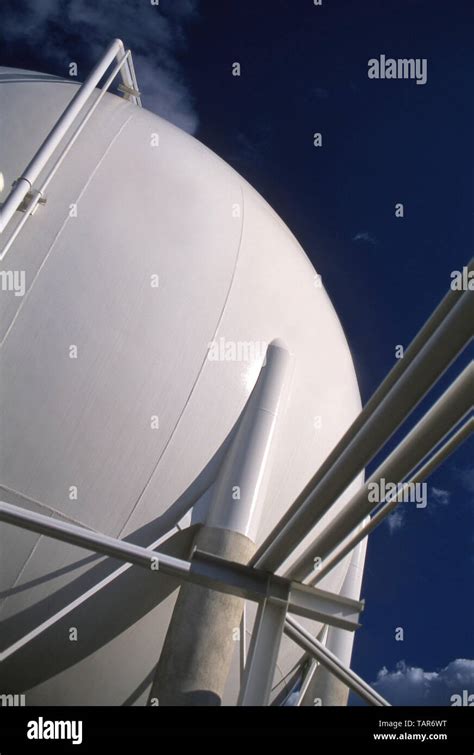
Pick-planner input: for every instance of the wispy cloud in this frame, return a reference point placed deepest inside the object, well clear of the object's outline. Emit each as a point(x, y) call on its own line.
point(465, 477)
point(437, 497)
point(440, 496)
point(365, 237)
point(411, 685)
point(396, 520)
point(78, 31)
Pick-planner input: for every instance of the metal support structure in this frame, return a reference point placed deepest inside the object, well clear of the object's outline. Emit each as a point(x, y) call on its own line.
point(307, 681)
point(442, 338)
point(309, 643)
point(276, 595)
point(243, 643)
point(204, 569)
point(433, 354)
point(263, 653)
point(453, 405)
point(249, 458)
point(195, 658)
point(24, 184)
point(330, 690)
point(312, 666)
point(438, 457)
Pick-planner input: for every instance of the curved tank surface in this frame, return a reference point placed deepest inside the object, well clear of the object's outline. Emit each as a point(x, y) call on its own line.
point(154, 279)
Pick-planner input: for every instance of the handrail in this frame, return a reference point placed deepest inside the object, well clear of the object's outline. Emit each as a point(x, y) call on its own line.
point(24, 184)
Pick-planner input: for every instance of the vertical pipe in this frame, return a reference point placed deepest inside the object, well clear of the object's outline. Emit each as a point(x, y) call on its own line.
point(325, 686)
point(200, 642)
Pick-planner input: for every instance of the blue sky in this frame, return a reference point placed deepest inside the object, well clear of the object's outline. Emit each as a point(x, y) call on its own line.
point(304, 70)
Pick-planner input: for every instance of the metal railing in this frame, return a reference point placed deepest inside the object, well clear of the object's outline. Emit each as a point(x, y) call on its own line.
point(23, 195)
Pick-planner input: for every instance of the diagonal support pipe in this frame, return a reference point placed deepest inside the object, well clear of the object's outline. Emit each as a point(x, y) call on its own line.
point(450, 408)
point(421, 474)
point(305, 640)
point(444, 336)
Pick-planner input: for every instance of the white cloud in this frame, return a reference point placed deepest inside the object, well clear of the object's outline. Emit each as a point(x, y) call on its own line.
point(466, 478)
point(411, 685)
point(365, 237)
point(440, 496)
point(67, 31)
point(164, 95)
point(396, 520)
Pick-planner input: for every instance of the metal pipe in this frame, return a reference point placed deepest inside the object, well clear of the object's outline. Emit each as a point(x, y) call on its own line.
point(195, 658)
point(103, 91)
point(434, 348)
point(314, 665)
point(330, 690)
point(204, 569)
point(240, 489)
point(127, 76)
point(66, 609)
point(19, 190)
point(450, 408)
point(305, 640)
point(25, 182)
point(131, 69)
point(435, 460)
point(431, 325)
point(91, 540)
point(29, 209)
point(256, 687)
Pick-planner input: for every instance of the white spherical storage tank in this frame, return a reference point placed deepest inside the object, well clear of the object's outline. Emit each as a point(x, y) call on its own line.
point(153, 285)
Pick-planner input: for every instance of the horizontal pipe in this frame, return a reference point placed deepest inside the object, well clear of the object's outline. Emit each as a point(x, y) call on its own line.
point(434, 352)
point(450, 408)
point(204, 569)
point(435, 460)
point(91, 540)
